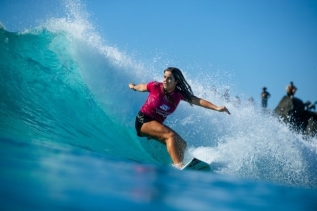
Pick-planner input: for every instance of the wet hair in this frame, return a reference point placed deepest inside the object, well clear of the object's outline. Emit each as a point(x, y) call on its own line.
point(182, 86)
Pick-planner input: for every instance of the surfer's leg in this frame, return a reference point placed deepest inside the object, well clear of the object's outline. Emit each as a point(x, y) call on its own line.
point(174, 143)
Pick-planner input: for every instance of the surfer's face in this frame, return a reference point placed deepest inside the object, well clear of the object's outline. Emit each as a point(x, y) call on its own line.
point(169, 82)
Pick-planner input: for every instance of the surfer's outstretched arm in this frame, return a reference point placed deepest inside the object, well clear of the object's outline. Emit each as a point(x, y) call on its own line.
point(139, 87)
point(206, 104)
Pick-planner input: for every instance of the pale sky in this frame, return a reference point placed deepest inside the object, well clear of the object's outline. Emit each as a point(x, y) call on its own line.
point(262, 43)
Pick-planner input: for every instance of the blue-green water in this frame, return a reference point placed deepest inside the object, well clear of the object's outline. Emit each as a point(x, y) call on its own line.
point(67, 138)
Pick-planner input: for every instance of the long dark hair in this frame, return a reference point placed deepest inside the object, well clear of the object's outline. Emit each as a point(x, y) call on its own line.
point(182, 86)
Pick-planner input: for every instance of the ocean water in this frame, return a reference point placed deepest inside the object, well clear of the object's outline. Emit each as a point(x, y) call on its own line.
point(67, 139)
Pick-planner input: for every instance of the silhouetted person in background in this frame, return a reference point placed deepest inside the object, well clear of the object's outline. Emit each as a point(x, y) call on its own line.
point(264, 95)
point(226, 95)
point(250, 101)
point(290, 90)
point(236, 101)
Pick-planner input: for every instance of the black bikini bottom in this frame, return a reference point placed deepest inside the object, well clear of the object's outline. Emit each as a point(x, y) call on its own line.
point(140, 119)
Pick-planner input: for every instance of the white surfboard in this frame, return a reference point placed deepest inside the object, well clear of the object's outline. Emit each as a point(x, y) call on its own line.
point(196, 164)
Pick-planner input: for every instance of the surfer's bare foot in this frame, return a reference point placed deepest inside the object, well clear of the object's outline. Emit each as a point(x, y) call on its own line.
point(178, 165)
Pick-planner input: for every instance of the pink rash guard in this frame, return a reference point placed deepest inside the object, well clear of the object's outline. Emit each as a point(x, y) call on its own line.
point(157, 106)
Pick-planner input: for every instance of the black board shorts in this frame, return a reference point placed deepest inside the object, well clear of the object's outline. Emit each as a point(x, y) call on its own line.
point(140, 119)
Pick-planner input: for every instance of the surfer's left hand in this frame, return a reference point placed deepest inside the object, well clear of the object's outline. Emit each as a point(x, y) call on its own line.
point(223, 109)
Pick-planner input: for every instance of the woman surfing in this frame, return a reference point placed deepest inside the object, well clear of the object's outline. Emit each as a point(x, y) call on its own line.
point(162, 101)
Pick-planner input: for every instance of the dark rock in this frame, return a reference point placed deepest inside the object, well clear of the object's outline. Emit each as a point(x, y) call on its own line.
point(292, 111)
point(311, 128)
